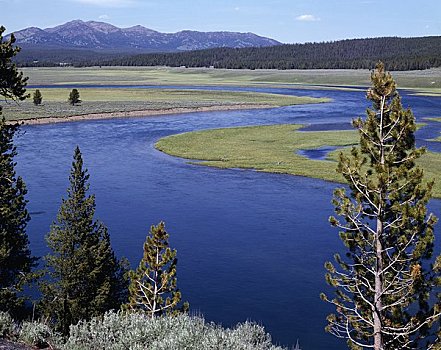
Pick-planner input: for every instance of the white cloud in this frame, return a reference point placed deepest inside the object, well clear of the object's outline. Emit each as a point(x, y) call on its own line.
point(307, 18)
point(104, 17)
point(237, 9)
point(107, 3)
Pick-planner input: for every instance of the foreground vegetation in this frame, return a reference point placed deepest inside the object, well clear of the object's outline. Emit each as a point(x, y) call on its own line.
point(55, 101)
point(386, 281)
point(273, 148)
point(136, 331)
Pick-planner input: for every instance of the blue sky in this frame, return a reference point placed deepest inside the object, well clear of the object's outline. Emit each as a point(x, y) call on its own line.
point(288, 21)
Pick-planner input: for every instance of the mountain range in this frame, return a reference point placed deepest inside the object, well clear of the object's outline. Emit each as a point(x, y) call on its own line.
point(104, 37)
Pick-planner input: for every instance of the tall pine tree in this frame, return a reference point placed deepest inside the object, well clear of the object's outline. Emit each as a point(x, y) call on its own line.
point(84, 277)
point(16, 261)
point(384, 283)
point(153, 287)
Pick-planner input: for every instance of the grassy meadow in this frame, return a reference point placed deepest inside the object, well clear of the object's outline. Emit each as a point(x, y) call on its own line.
point(274, 148)
point(104, 100)
point(99, 100)
point(425, 82)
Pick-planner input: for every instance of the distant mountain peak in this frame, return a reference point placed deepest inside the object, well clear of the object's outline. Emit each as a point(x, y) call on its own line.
point(101, 36)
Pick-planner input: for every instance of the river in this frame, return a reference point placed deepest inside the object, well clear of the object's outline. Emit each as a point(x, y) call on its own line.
point(251, 246)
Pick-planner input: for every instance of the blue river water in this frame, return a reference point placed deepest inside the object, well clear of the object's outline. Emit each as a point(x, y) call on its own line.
point(251, 246)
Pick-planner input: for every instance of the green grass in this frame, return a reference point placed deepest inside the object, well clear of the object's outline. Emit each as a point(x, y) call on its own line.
point(274, 149)
point(427, 81)
point(116, 100)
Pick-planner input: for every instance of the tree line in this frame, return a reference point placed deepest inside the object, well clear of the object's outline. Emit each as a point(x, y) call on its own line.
point(386, 283)
point(397, 53)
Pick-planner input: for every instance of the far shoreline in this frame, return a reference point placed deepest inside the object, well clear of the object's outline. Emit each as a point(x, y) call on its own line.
point(135, 114)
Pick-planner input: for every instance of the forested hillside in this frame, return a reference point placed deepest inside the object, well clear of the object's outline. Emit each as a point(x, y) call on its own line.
point(397, 53)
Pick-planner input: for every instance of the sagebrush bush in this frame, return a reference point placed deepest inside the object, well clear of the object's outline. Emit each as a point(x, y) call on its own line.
point(135, 331)
point(39, 335)
point(6, 325)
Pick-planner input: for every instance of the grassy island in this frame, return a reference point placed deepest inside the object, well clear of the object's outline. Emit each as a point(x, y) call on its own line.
point(274, 148)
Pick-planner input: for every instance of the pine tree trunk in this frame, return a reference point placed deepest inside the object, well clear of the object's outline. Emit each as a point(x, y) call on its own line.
point(155, 291)
point(64, 326)
point(378, 337)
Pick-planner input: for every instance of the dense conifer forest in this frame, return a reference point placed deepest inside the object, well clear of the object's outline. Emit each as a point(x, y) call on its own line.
point(397, 53)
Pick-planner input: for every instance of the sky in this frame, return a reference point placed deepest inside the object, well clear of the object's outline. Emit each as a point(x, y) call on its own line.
point(289, 21)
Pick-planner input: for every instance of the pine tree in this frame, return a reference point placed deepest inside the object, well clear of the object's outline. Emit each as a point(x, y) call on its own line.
point(12, 82)
point(384, 284)
point(74, 97)
point(85, 278)
point(37, 98)
point(16, 261)
point(153, 285)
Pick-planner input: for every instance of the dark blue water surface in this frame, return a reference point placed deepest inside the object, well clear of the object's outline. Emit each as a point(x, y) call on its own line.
point(251, 245)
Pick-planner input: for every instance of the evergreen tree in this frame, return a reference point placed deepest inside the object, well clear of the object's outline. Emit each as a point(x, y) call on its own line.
point(15, 257)
point(85, 277)
point(153, 285)
point(74, 97)
point(383, 285)
point(16, 261)
point(37, 98)
point(12, 82)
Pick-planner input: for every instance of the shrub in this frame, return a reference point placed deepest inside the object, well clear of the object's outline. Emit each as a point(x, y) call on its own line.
point(74, 97)
point(37, 98)
point(6, 325)
point(39, 335)
point(135, 331)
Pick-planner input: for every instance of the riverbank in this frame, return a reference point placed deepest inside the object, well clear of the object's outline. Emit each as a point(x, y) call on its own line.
point(140, 113)
point(104, 103)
